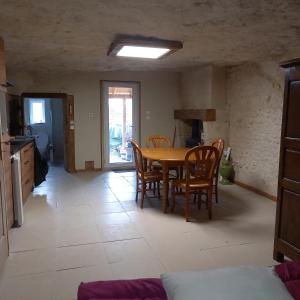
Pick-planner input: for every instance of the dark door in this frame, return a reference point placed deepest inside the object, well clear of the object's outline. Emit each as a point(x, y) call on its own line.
point(69, 134)
point(287, 238)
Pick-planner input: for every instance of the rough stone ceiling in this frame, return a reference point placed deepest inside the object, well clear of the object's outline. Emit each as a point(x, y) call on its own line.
point(74, 35)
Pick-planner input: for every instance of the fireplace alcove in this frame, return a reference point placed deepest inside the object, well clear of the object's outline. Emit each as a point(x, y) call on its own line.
point(194, 118)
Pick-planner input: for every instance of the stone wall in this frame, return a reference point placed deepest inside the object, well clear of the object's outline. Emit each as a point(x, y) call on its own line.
point(254, 97)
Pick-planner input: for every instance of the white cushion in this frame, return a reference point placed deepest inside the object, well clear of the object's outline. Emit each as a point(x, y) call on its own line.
point(246, 283)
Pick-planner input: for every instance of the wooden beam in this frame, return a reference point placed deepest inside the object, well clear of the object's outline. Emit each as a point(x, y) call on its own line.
point(290, 63)
point(197, 114)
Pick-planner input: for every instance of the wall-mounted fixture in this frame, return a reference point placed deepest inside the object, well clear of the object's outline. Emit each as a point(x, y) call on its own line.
point(142, 47)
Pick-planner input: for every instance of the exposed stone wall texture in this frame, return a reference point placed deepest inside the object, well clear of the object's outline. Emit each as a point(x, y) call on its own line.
point(255, 97)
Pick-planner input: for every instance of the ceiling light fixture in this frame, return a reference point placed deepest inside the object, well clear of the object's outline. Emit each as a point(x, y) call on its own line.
point(141, 47)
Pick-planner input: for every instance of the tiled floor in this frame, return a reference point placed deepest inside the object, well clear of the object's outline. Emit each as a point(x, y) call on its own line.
point(86, 227)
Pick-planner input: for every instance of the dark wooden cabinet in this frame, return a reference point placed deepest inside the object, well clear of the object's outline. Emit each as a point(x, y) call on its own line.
point(16, 115)
point(287, 233)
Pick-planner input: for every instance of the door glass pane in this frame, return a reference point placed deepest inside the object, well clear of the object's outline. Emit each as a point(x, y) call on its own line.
point(120, 124)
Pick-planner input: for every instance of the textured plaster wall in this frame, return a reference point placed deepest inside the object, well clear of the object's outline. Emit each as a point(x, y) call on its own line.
point(203, 88)
point(255, 97)
point(159, 97)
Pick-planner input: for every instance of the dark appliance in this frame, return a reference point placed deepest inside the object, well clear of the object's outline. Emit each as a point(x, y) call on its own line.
point(195, 139)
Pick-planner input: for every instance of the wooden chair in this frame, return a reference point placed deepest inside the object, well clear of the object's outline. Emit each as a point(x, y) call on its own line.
point(219, 144)
point(143, 175)
point(159, 141)
point(200, 164)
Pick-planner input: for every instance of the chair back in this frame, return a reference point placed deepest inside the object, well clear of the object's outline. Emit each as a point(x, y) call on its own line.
point(159, 141)
point(219, 144)
point(200, 163)
point(138, 158)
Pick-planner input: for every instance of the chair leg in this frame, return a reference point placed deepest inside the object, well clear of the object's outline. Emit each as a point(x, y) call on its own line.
point(216, 190)
point(206, 198)
point(158, 188)
point(195, 198)
point(173, 197)
point(180, 176)
point(209, 203)
point(143, 194)
point(199, 200)
point(137, 189)
point(186, 205)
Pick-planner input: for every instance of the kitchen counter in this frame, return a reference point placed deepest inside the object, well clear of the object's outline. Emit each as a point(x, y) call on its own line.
point(18, 144)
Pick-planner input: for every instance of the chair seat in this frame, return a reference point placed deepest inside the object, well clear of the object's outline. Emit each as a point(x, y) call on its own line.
point(193, 184)
point(153, 175)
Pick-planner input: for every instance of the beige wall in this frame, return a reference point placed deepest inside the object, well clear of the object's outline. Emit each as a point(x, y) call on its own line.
point(159, 96)
point(248, 100)
point(202, 88)
point(255, 96)
point(195, 88)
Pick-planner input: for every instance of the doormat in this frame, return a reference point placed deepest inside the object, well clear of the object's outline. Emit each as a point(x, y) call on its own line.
point(124, 170)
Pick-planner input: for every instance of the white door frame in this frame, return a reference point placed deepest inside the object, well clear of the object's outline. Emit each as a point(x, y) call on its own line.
point(135, 85)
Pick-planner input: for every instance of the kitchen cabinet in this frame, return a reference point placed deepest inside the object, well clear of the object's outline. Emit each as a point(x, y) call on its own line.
point(27, 170)
point(16, 115)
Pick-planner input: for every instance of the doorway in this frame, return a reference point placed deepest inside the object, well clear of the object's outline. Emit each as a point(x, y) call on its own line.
point(120, 122)
point(50, 118)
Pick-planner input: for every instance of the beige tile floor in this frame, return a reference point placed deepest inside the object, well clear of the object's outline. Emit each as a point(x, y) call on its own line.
point(86, 227)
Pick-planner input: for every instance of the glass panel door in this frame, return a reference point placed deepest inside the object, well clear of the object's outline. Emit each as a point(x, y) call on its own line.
point(120, 123)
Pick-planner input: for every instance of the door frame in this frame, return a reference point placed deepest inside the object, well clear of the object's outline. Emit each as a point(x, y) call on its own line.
point(69, 143)
point(102, 126)
point(4, 244)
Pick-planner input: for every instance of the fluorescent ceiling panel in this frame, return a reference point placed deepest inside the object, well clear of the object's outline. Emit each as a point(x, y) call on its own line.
point(142, 47)
point(142, 52)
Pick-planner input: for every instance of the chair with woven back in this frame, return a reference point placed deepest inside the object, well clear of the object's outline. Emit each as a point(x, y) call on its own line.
point(143, 175)
point(200, 164)
point(160, 141)
point(219, 144)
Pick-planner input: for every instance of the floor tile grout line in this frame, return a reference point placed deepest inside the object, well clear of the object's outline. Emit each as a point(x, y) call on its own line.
point(75, 268)
point(101, 242)
point(123, 240)
point(155, 254)
point(28, 274)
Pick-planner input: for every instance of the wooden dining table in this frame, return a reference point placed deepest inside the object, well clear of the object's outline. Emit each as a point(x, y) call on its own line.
point(168, 157)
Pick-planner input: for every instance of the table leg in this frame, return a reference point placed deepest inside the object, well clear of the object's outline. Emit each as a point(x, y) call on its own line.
point(165, 170)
